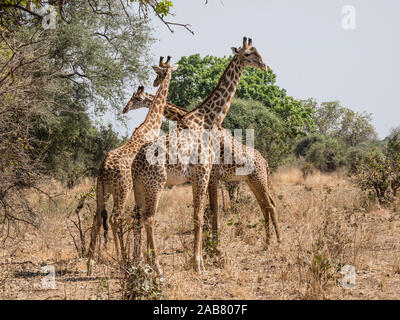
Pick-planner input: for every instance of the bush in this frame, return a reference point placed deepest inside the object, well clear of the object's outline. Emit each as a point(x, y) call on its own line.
point(304, 145)
point(373, 176)
point(306, 169)
point(393, 155)
point(140, 282)
point(270, 134)
point(355, 155)
point(379, 169)
point(325, 154)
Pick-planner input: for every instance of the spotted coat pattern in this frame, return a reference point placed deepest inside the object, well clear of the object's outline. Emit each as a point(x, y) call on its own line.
point(150, 179)
point(115, 177)
point(258, 179)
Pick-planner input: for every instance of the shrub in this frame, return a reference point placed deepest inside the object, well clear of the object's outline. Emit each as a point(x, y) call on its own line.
point(379, 169)
point(326, 155)
point(355, 155)
point(373, 175)
point(306, 169)
point(304, 145)
point(393, 155)
point(141, 282)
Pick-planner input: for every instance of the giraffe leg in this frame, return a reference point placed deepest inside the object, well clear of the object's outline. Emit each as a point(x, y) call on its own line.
point(258, 194)
point(151, 251)
point(213, 195)
point(152, 198)
point(138, 220)
point(137, 233)
point(101, 198)
point(199, 187)
point(113, 222)
point(116, 223)
point(93, 239)
point(272, 208)
point(147, 195)
point(259, 187)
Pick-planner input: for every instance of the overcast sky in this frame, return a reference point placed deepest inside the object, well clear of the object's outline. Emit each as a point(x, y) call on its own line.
point(304, 43)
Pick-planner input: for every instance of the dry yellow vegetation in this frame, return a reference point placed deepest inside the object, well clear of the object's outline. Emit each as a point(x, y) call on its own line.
point(326, 223)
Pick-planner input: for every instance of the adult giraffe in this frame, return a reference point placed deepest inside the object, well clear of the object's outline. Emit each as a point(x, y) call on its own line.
point(226, 172)
point(115, 172)
point(151, 175)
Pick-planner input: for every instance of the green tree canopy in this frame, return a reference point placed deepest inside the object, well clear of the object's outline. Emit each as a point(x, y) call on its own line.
point(51, 81)
point(197, 77)
point(259, 104)
point(333, 120)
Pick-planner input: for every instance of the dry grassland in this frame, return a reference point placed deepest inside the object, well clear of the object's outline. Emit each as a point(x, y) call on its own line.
point(325, 221)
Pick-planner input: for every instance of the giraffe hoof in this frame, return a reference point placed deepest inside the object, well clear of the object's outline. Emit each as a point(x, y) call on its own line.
point(200, 268)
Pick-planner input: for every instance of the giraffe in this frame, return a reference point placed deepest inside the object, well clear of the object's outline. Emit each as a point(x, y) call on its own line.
point(174, 113)
point(151, 175)
point(115, 172)
point(224, 172)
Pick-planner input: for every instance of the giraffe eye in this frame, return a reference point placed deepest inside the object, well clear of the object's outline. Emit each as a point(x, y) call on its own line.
point(247, 54)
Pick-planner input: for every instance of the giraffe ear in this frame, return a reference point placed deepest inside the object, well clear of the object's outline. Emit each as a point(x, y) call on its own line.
point(174, 67)
point(157, 69)
point(235, 50)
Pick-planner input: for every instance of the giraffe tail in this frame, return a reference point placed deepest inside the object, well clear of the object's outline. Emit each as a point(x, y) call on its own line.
point(104, 215)
point(101, 207)
point(268, 176)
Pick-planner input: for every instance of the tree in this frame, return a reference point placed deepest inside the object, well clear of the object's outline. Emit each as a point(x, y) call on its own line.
point(333, 120)
point(269, 129)
point(28, 9)
point(50, 80)
point(393, 155)
point(26, 77)
point(324, 153)
point(197, 77)
point(259, 104)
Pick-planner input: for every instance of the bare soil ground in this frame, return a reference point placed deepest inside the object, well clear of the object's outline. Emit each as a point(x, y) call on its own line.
point(325, 221)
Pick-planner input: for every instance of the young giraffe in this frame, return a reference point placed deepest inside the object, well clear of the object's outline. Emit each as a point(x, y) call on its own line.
point(151, 177)
point(115, 172)
point(223, 171)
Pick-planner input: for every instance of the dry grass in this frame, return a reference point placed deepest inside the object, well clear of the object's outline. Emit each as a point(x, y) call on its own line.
point(325, 221)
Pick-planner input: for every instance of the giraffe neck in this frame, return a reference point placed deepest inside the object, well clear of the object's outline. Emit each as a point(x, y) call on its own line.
point(171, 111)
point(214, 109)
point(150, 128)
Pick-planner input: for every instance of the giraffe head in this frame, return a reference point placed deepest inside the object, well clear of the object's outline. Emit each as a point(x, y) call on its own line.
point(162, 70)
point(249, 55)
point(139, 100)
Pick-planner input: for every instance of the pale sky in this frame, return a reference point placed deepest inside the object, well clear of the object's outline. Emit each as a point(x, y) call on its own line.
point(305, 45)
